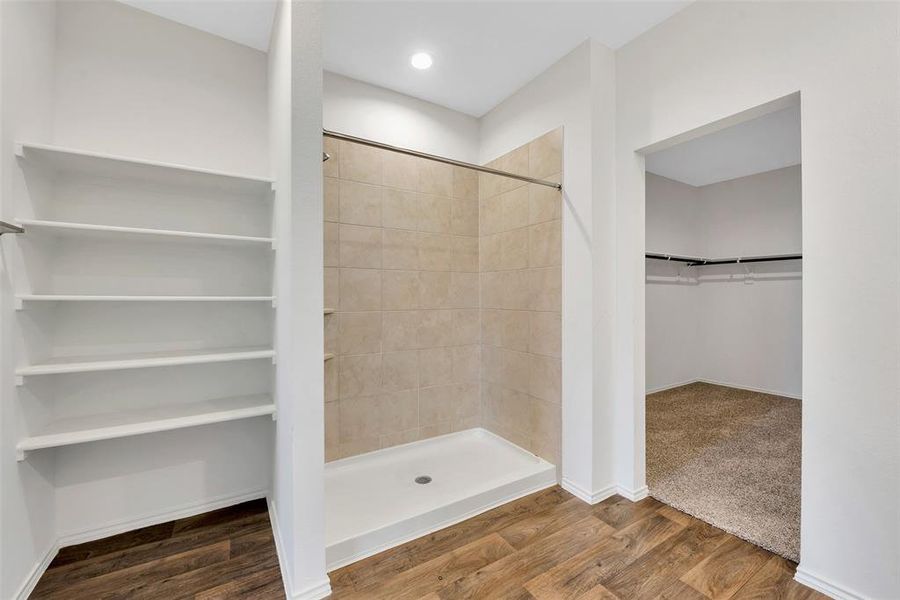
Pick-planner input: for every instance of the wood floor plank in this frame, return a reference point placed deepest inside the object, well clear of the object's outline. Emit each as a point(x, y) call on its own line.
point(583, 572)
point(509, 574)
point(262, 585)
point(619, 512)
point(122, 583)
point(205, 578)
point(428, 547)
point(726, 569)
point(775, 581)
point(527, 530)
point(650, 575)
point(113, 543)
point(437, 573)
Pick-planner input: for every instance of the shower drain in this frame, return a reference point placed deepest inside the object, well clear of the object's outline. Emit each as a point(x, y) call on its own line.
point(423, 479)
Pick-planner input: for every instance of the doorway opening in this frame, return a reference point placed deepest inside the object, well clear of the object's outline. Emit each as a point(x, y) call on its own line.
point(723, 291)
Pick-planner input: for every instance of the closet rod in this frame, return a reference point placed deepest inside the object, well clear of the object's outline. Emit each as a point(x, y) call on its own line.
point(436, 158)
point(693, 261)
point(9, 228)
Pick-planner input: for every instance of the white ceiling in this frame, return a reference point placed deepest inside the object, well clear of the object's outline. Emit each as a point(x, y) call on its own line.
point(756, 146)
point(483, 51)
point(247, 22)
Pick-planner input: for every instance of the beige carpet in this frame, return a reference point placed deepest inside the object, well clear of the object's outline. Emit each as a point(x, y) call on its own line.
point(731, 458)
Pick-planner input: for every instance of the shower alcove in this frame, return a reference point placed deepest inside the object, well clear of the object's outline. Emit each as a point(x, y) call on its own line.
point(442, 339)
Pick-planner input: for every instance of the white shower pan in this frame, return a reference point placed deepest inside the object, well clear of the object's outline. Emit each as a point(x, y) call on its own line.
point(372, 501)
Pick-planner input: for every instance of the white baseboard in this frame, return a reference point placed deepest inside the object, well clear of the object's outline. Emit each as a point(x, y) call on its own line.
point(186, 510)
point(820, 584)
point(670, 386)
point(279, 547)
point(725, 384)
point(36, 572)
point(584, 495)
point(315, 591)
point(633, 495)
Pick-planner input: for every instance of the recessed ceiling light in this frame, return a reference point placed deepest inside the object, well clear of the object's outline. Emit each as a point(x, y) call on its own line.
point(421, 60)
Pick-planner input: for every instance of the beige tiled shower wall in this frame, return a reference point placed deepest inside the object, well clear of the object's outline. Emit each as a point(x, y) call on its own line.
point(401, 273)
point(521, 281)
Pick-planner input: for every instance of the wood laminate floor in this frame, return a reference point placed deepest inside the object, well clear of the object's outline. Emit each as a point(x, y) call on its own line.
point(552, 545)
point(546, 545)
point(227, 553)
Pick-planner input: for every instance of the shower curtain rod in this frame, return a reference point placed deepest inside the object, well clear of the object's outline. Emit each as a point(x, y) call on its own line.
point(693, 261)
point(434, 157)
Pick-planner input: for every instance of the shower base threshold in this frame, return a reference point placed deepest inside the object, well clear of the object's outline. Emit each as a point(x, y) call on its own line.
point(373, 502)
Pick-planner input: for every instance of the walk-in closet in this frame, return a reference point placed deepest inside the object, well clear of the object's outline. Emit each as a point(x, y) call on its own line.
point(723, 337)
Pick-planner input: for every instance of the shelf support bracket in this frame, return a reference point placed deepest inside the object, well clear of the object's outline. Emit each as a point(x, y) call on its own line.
point(20, 380)
point(10, 228)
point(20, 454)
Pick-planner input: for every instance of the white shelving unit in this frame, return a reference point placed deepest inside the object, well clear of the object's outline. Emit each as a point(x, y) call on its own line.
point(22, 299)
point(71, 160)
point(161, 235)
point(60, 366)
point(206, 200)
point(67, 432)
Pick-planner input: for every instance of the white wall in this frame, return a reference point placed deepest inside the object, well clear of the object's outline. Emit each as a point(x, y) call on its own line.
point(576, 93)
point(707, 63)
point(375, 113)
point(709, 327)
point(27, 519)
point(131, 83)
point(295, 70)
point(674, 351)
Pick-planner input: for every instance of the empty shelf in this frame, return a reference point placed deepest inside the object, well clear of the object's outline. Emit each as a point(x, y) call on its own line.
point(66, 432)
point(22, 298)
point(60, 366)
point(122, 167)
point(129, 233)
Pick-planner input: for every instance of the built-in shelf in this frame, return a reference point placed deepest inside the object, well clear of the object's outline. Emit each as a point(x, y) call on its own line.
point(60, 366)
point(23, 298)
point(328, 311)
point(67, 432)
point(328, 356)
point(98, 164)
point(131, 233)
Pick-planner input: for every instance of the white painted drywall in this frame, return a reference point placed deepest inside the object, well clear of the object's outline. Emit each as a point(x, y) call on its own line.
point(295, 72)
point(704, 64)
point(576, 93)
point(27, 517)
point(367, 111)
point(728, 332)
point(132, 83)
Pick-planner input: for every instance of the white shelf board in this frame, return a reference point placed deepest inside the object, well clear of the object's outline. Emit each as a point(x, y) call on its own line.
point(98, 164)
point(21, 299)
point(60, 366)
point(66, 432)
point(129, 233)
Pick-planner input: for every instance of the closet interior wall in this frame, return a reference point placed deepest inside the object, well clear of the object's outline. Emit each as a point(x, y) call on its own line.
point(736, 325)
